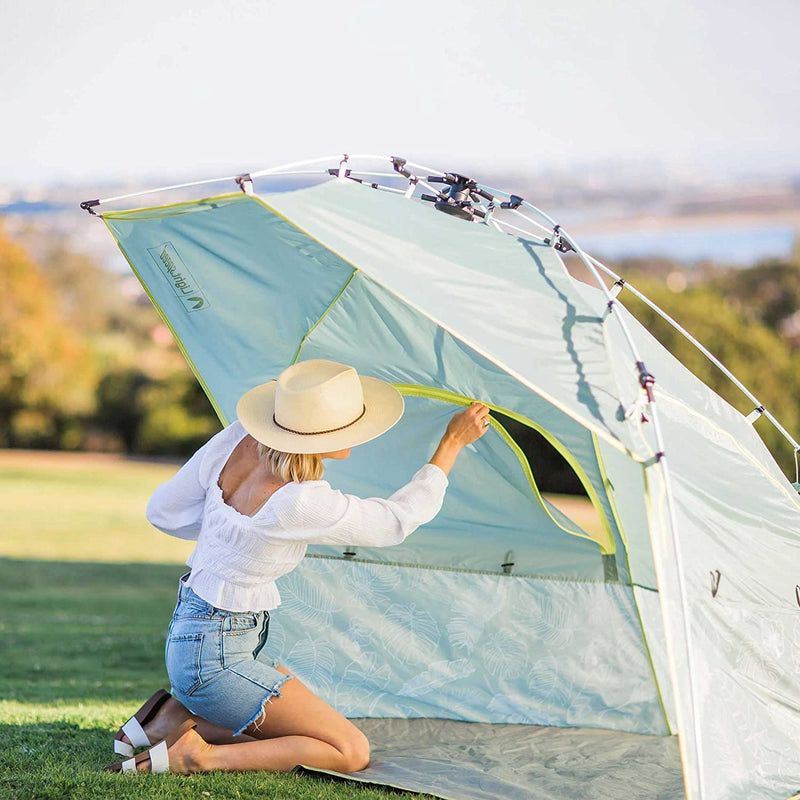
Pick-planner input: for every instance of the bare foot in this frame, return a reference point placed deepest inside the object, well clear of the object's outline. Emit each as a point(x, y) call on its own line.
point(186, 755)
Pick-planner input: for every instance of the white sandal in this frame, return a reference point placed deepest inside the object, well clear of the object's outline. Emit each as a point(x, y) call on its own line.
point(134, 729)
point(158, 755)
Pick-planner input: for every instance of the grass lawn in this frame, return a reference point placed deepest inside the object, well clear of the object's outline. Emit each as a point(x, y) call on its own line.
point(87, 589)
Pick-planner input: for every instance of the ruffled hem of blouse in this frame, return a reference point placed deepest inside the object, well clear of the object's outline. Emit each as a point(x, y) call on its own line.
point(223, 594)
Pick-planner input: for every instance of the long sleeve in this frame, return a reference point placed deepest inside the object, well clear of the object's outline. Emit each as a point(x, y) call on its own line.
point(314, 513)
point(176, 506)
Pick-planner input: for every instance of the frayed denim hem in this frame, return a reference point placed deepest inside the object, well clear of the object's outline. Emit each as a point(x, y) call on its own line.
point(259, 716)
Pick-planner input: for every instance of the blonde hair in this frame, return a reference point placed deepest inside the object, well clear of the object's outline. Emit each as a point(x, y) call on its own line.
point(295, 467)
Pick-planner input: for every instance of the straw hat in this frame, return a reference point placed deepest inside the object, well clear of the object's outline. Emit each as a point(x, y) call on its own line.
point(319, 406)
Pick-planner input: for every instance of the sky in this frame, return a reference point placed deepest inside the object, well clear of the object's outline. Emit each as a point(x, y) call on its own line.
point(101, 91)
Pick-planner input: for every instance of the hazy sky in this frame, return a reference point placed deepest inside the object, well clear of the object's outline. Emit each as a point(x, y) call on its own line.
point(101, 90)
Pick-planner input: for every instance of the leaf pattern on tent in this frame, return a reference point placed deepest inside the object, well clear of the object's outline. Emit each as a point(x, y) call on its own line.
point(773, 637)
point(551, 622)
point(757, 667)
point(311, 603)
point(360, 689)
point(410, 634)
point(596, 664)
point(371, 588)
point(315, 661)
point(437, 675)
point(465, 626)
point(548, 684)
point(453, 648)
point(504, 656)
point(361, 638)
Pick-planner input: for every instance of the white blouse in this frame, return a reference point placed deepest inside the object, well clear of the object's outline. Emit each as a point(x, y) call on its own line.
point(238, 557)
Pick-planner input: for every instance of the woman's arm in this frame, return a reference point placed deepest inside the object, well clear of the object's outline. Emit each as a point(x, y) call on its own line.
point(464, 428)
point(316, 514)
point(176, 507)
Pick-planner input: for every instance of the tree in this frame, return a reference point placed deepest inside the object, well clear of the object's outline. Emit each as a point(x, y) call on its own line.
point(120, 405)
point(47, 374)
point(769, 293)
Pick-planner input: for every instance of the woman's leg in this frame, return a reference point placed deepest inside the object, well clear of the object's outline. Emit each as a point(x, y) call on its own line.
point(295, 728)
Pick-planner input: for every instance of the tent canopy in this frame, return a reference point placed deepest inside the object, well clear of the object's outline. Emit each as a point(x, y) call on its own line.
point(503, 610)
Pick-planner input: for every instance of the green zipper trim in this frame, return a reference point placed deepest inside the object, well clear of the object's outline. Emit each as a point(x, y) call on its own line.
point(324, 314)
point(172, 330)
point(526, 467)
point(610, 495)
point(615, 512)
point(446, 396)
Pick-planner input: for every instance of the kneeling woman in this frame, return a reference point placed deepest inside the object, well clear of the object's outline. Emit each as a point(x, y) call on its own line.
point(253, 499)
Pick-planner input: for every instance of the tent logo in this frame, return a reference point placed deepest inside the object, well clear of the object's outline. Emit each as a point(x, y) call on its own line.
point(171, 266)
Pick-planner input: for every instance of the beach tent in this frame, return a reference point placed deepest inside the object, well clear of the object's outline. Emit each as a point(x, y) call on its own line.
point(502, 651)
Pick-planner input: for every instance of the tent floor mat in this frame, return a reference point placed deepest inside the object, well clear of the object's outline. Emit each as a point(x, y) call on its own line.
point(477, 761)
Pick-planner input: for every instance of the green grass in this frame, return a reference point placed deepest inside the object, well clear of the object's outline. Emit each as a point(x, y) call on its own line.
point(86, 591)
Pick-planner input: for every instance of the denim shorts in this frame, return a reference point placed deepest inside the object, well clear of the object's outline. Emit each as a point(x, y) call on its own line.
point(216, 663)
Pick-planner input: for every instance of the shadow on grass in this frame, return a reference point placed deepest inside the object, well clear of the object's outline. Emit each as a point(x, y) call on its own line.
point(83, 631)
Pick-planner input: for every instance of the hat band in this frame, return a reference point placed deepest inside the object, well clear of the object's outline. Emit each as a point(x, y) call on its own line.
point(318, 433)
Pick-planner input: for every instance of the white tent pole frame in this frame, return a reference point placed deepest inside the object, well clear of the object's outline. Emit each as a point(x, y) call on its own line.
point(166, 189)
point(517, 228)
point(677, 556)
point(338, 158)
point(282, 169)
point(609, 297)
point(549, 231)
point(423, 168)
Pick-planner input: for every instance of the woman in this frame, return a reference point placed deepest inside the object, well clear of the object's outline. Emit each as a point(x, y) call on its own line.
point(253, 499)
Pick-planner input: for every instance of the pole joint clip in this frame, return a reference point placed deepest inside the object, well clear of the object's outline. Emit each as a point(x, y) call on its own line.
point(245, 183)
point(558, 242)
point(513, 202)
point(646, 380)
point(88, 205)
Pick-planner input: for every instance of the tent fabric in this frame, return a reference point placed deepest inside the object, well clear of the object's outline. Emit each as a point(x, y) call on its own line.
point(503, 610)
point(501, 649)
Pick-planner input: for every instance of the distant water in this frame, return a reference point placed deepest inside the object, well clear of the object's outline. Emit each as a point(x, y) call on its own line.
point(739, 246)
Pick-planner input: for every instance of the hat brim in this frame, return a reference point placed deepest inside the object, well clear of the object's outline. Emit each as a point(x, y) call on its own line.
point(383, 408)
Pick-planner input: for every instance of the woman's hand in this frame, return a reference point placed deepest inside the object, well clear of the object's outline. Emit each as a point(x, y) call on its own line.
point(464, 428)
point(468, 425)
